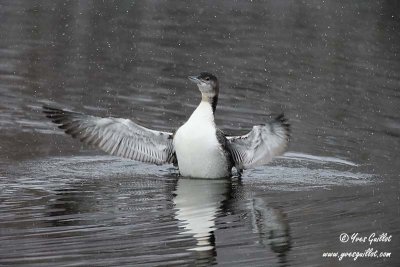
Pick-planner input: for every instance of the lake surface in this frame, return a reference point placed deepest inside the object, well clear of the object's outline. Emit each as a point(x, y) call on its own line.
point(333, 68)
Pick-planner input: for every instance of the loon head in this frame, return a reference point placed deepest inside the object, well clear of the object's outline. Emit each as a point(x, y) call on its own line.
point(209, 87)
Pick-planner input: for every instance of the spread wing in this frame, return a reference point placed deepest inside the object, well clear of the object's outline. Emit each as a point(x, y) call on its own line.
point(119, 137)
point(261, 144)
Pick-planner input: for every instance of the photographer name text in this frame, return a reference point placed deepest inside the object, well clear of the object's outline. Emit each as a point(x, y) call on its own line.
point(357, 238)
point(371, 239)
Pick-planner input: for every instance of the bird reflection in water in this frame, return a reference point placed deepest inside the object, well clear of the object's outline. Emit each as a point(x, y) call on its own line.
point(272, 226)
point(198, 205)
point(199, 202)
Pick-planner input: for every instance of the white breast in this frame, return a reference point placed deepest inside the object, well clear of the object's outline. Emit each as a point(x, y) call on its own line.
point(197, 149)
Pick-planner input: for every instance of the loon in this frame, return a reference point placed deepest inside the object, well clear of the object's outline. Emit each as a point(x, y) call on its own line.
point(198, 148)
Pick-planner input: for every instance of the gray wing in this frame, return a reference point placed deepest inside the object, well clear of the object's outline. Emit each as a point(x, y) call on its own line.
point(119, 137)
point(261, 144)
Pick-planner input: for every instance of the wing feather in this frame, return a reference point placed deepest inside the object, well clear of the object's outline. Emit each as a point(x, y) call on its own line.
point(119, 137)
point(261, 144)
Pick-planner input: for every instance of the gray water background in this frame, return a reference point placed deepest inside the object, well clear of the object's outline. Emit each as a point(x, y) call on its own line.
point(332, 67)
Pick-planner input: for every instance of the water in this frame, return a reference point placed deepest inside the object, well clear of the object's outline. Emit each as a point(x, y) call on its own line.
point(333, 68)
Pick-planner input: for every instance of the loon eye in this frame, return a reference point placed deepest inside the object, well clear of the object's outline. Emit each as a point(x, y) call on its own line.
point(207, 78)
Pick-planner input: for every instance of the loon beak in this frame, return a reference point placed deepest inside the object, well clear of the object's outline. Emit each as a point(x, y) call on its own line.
point(194, 79)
